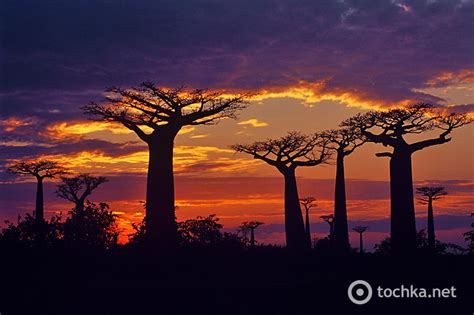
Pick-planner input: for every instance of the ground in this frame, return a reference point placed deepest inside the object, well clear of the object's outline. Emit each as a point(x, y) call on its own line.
point(262, 281)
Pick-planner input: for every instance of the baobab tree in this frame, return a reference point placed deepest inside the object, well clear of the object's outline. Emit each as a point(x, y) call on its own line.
point(343, 141)
point(391, 128)
point(427, 196)
point(307, 203)
point(76, 189)
point(329, 219)
point(40, 169)
point(360, 229)
point(251, 226)
point(156, 115)
point(286, 155)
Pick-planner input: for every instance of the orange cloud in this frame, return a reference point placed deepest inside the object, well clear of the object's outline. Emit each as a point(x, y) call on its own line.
point(450, 78)
point(12, 123)
point(187, 159)
point(254, 123)
point(314, 92)
point(75, 130)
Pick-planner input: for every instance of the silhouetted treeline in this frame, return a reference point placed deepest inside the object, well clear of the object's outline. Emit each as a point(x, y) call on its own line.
point(156, 115)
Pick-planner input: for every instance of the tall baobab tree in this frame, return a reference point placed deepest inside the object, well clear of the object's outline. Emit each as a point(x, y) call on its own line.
point(307, 203)
point(156, 115)
point(40, 169)
point(343, 141)
point(427, 196)
point(286, 155)
point(329, 219)
point(360, 229)
point(390, 128)
point(251, 226)
point(76, 189)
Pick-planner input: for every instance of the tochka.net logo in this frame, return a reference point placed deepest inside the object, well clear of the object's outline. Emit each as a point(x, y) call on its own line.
point(360, 292)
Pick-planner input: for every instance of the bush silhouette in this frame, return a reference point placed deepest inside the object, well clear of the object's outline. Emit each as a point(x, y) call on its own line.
point(95, 227)
point(25, 232)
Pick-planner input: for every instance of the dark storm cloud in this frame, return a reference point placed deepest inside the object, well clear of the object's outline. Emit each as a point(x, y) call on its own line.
point(61, 54)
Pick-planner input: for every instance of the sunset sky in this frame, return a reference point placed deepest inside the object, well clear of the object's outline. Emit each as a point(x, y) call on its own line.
point(310, 64)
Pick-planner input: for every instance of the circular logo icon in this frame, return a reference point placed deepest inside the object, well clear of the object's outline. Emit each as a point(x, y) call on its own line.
point(359, 292)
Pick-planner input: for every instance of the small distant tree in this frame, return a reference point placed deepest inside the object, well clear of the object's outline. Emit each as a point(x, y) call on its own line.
point(426, 196)
point(76, 190)
point(469, 237)
point(360, 229)
point(156, 115)
point(251, 226)
point(286, 155)
point(343, 142)
point(329, 219)
point(40, 169)
point(391, 129)
point(307, 203)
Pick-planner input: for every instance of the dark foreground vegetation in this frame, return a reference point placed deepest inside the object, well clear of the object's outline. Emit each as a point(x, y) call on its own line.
point(77, 267)
point(262, 280)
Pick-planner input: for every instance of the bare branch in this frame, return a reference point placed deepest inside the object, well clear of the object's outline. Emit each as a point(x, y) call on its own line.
point(290, 151)
point(155, 107)
point(38, 168)
point(76, 189)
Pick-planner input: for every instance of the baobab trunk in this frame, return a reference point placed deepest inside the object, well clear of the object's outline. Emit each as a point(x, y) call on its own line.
point(160, 212)
point(361, 244)
point(402, 213)
point(431, 228)
point(341, 234)
point(308, 229)
point(252, 238)
point(39, 211)
point(294, 226)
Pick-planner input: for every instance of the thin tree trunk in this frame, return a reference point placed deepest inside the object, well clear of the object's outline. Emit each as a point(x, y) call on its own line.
point(431, 228)
point(307, 227)
point(80, 228)
point(341, 233)
point(361, 243)
point(160, 206)
point(403, 226)
point(39, 211)
point(252, 238)
point(294, 226)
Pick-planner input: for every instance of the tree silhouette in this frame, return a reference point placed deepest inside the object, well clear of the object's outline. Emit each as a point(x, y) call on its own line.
point(76, 189)
point(427, 196)
point(25, 232)
point(360, 229)
point(95, 226)
point(307, 203)
point(40, 169)
point(286, 154)
point(156, 115)
point(343, 141)
point(252, 225)
point(390, 128)
point(329, 219)
point(202, 231)
point(469, 237)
